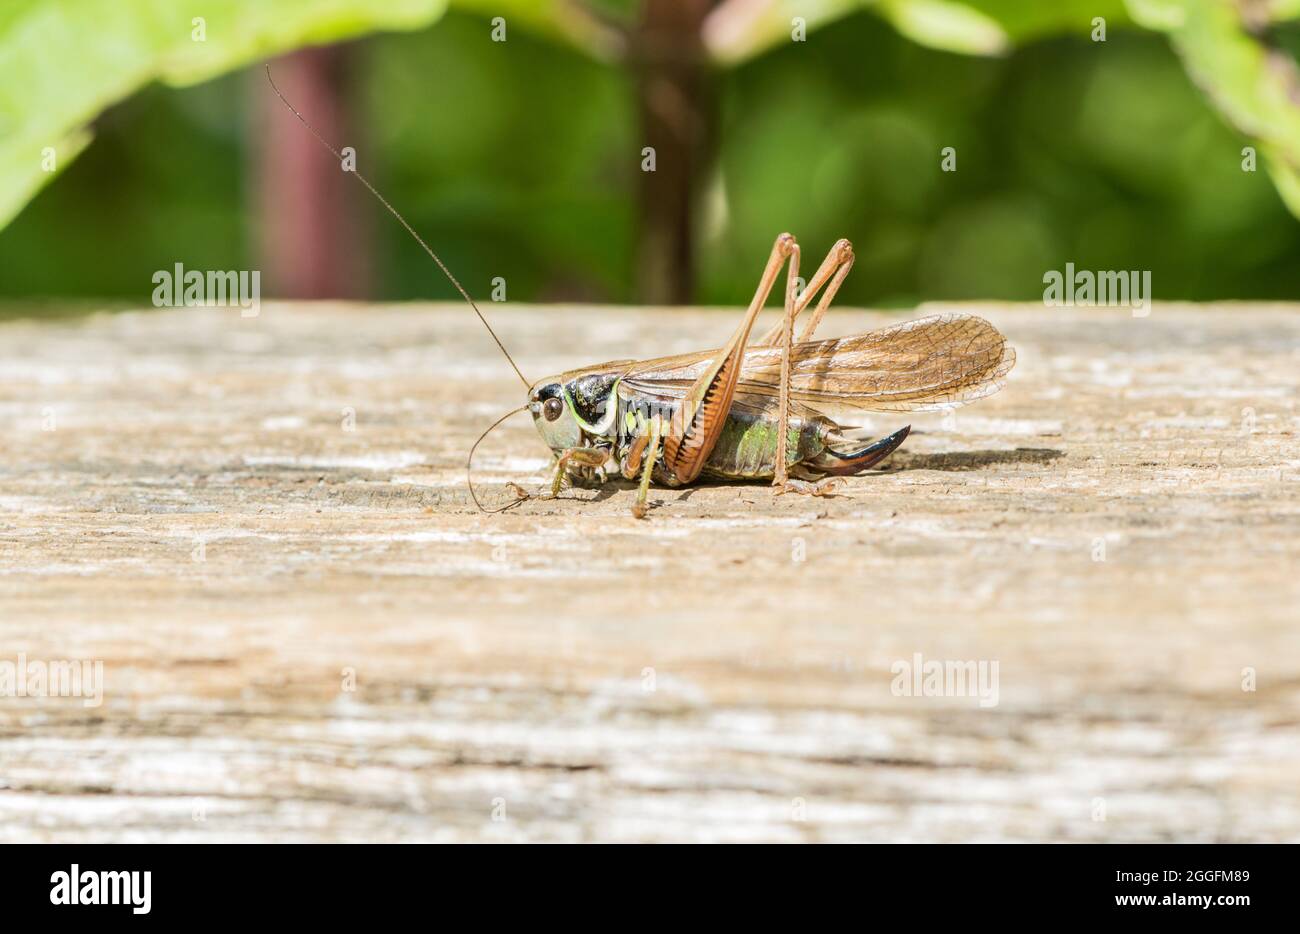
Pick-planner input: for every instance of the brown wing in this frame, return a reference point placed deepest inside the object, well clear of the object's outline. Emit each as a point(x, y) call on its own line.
point(930, 363)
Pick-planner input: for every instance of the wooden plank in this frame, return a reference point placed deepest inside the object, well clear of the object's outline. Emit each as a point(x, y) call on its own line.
point(232, 513)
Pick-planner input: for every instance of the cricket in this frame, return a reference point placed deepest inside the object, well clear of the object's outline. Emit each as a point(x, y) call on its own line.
point(760, 410)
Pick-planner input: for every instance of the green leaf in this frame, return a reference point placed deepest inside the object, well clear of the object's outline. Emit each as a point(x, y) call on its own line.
point(735, 32)
point(1255, 86)
point(595, 30)
point(62, 62)
point(952, 27)
point(1026, 20)
point(1161, 15)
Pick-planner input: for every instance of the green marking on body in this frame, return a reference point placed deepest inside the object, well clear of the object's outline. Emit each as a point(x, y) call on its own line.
point(749, 447)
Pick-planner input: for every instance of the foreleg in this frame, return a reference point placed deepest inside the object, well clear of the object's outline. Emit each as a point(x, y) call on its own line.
point(576, 457)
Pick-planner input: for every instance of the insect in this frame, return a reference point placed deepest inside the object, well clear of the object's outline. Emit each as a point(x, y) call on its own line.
point(756, 410)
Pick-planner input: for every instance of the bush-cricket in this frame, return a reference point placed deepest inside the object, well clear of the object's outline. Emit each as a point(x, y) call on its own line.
point(748, 410)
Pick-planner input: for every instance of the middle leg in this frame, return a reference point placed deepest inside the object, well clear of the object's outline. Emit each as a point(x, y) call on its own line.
point(647, 468)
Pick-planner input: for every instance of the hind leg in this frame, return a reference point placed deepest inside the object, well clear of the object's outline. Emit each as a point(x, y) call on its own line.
point(823, 487)
point(780, 477)
point(699, 418)
point(834, 268)
point(831, 273)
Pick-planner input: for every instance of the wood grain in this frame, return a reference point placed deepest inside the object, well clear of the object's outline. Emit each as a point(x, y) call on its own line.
point(232, 513)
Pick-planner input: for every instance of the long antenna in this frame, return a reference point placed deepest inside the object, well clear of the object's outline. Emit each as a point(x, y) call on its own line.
point(401, 220)
point(469, 464)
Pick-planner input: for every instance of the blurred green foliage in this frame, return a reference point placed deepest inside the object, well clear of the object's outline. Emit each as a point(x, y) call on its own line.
point(1100, 154)
point(63, 61)
point(522, 161)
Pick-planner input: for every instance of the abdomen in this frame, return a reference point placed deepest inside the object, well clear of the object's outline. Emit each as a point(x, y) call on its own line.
point(747, 447)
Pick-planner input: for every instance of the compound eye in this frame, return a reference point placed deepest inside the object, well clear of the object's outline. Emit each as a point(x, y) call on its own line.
point(552, 408)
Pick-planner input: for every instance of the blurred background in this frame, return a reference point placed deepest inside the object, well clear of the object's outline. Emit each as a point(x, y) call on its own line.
point(1171, 145)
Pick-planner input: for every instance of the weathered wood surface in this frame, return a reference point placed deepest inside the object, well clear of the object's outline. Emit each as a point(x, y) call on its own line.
point(181, 498)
